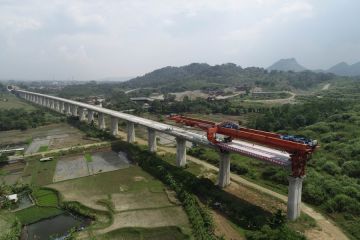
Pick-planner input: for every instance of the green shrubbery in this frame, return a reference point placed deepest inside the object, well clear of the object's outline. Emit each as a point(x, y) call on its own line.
point(90, 129)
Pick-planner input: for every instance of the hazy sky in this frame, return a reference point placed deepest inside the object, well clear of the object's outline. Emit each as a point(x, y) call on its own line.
point(44, 39)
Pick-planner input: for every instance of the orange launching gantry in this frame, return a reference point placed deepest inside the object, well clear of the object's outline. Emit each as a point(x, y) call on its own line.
point(299, 148)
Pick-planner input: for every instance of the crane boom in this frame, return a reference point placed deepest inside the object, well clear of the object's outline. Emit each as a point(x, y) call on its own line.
point(300, 149)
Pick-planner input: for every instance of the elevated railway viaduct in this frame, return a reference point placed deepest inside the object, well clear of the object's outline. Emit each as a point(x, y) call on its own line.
point(85, 112)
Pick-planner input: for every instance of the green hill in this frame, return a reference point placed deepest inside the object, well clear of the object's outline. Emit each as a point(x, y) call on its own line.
point(207, 77)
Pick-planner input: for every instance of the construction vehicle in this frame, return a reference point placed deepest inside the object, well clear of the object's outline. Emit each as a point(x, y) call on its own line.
point(299, 148)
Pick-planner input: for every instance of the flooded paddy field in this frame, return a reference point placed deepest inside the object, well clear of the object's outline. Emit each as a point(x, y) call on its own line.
point(76, 166)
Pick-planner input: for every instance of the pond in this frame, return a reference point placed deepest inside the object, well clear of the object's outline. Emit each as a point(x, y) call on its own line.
point(57, 226)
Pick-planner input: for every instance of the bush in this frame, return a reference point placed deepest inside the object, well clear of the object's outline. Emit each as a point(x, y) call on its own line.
point(351, 168)
point(331, 168)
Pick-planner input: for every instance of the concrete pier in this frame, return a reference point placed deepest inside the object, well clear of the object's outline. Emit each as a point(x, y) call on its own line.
point(74, 110)
point(114, 126)
point(62, 107)
point(224, 169)
point(67, 109)
point(152, 140)
point(82, 114)
point(90, 116)
point(294, 197)
point(130, 132)
point(52, 104)
point(57, 106)
point(101, 119)
point(180, 152)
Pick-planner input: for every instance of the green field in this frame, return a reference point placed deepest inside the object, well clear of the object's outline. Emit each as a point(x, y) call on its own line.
point(88, 157)
point(36, 213)
point(8, 101)
point(45, 198)
point(43, 148)
point(160, 233)
point(8, 224)
point(39, 173)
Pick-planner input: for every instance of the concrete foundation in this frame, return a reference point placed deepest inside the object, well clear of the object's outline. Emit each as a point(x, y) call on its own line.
point(114, 126)
point(224, 170)
point(294, 197)
point(82, 114)
point(152, 140)
point(101, 118)
point(130, 132)
point(180, 152)
point(90, 116)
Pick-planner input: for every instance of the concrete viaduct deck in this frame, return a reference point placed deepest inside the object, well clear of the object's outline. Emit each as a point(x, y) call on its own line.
point(86, 112)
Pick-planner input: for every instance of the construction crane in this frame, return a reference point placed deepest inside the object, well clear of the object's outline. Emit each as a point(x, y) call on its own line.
point(299, 148)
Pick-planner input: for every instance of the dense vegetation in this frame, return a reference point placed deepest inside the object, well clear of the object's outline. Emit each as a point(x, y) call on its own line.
point(333, 175)
point(90, 129)
point(204, 76)
point(203, 106)
point(22, 119)
point(259, 224)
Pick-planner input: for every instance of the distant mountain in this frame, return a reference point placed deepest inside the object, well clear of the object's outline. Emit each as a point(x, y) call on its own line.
point(206, 77)
point(289, 64)
point(344, 69)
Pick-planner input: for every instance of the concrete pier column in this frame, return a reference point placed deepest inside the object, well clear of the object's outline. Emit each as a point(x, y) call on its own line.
point(67, 109)
point(130, 132)
point(57, 106)
point(152, 140)
point(180, 152)
point(90, 116)
point(48, 104)
point(294, 197)
point(62, 107)
point(74, 110)
point(52, 104)
point(114, 126)
point(224, 169)
point(101, 119)
point(82, 114)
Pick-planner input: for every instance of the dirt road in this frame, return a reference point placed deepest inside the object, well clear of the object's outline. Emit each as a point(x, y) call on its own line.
point(290, 99)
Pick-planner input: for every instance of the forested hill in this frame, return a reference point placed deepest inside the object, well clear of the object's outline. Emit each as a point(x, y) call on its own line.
point(204, 76)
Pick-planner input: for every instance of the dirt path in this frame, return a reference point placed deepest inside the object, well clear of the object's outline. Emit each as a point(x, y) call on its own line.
point(290, 99)
point(326, 86)
point(85, 146)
